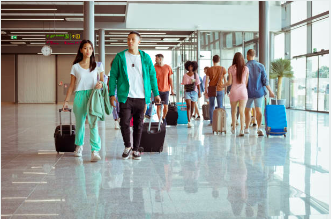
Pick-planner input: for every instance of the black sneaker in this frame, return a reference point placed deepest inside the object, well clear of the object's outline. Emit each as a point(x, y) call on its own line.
point(136, 155)
point(126, 153)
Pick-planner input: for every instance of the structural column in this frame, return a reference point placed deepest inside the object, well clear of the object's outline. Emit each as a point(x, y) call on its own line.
point(198, 50)
point(264, 34)
point(102, 54)
point(89, 21)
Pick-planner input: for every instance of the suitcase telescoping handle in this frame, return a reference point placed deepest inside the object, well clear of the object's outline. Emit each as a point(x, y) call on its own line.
point(173, 97)
point(265, 99)
point(150, 120)
point(60, 110)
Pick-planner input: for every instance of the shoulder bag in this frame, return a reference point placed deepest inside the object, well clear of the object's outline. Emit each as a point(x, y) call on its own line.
point(212, 90)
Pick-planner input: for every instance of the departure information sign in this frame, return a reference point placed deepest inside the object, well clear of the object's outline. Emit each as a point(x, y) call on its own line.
point(63, 39)
point(67, 36)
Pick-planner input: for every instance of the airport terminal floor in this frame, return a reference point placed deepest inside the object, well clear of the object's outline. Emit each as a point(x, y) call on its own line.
point(198, 174)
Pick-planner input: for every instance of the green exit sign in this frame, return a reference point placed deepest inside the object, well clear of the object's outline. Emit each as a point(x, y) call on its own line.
point(13, 37)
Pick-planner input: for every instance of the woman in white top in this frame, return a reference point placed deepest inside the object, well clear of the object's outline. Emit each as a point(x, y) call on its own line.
point(84, 76)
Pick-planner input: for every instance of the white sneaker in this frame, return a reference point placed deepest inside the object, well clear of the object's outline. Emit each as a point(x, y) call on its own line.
point(246, 131)
point(233, 131)
point(189, 125)
point(117, 125)
point(241, 133)
point(95, 156)
point(260, 132)
point(79, 151)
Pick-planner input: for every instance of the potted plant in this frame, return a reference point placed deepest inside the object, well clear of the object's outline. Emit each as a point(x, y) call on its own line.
point(279, 69)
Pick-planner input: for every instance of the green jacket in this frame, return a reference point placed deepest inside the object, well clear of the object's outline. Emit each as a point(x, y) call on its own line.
point(119, 77)
point(98, 104)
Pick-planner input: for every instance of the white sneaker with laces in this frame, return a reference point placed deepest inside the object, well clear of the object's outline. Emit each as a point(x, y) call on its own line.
point(79, 151)
point(117, 125)
point(246, 131)
point(95, 156)
point(260, 132)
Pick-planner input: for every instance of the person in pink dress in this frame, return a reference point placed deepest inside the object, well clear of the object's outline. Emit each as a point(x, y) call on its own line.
point(238, 78)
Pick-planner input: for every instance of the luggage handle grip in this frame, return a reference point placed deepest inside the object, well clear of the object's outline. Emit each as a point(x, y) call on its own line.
point(150, 120)
point(65, 110)
point(158, 104)
point(61, 110)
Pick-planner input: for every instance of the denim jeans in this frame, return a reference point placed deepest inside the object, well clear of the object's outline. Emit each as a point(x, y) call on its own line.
point(219, 97)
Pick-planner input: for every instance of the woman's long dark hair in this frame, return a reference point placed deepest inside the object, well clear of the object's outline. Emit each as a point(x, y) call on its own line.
point(239, 62)
point(79, 56)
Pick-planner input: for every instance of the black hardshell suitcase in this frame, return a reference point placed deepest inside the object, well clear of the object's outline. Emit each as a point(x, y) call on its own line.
point(172, 115)
point(153, 134)
point(64, 136)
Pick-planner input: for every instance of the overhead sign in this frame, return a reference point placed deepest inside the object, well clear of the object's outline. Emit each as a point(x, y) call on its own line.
point(13, 37)
point(67, 36)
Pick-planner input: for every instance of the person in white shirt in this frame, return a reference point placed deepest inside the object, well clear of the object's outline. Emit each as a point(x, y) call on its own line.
point(84, 76)
point(134, 76)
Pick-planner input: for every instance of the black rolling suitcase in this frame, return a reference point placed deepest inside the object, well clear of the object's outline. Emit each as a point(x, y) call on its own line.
point(64, 136)
point(172, 115)
point(153, 134)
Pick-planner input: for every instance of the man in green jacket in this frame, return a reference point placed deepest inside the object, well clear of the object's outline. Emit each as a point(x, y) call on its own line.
point(134, 76)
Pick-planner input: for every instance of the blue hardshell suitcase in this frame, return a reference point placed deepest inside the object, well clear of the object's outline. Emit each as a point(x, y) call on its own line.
point(182, 113)
point(275, 119)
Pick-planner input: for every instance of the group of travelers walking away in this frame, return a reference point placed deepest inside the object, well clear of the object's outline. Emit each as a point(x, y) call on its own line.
point(134, 80)
point(248, 85)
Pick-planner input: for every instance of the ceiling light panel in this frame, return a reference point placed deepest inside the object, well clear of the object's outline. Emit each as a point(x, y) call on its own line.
point(33, 38)
point(32, 19)
point(161, 47)
point(74, 19)
point(28, 9)
point(40, 32)
point(18, 43)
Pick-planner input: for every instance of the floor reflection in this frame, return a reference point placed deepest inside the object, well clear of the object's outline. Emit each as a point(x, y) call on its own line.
point(198, 175)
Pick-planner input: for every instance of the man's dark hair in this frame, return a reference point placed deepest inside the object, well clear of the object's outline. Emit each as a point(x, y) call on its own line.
point(193, 64)
point(159, 55)
point(206, 68)
point(135, 32)
point(216, 58)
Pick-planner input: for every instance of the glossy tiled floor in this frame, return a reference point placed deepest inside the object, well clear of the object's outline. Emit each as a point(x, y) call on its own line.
point(198, 175)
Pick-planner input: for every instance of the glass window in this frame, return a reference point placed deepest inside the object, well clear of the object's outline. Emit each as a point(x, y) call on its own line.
point(299, 41)
point(320, 35)
point(228, 40)
point(323, 83)
point(279, 47)
point(249, 36)
point(312, 83)
point(319, 7)
point(298, 83)
point(239, 38)
point(298, 11)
